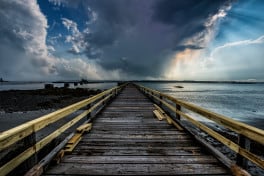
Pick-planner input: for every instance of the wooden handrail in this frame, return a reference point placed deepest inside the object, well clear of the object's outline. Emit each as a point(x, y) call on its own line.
point(248, 131)
point(9, 137)
point(251, 132)
point(13, 135)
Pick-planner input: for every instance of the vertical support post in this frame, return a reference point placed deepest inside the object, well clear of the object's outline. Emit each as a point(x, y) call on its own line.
point(160, 101)
point(88, 115)
point(178, 107)
point(151, 97)
point(113, 93)
point(244, 143)
point(103, 101)
point(30, 141)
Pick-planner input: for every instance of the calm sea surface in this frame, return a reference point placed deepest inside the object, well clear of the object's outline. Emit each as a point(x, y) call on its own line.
point(243, 102)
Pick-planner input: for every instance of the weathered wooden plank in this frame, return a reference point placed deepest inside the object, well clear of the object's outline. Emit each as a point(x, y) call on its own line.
point(151, 151)
point(131, 124)
point(138, 132)
point(84, 128)
point(179, 148)
point(158, 115)
point(133, 144)
point(137, 136)
point(134, 128)
point(136, 169)
point(138, 141)
point(139, 159)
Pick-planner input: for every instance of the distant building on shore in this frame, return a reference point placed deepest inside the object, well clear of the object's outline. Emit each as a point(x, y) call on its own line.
point(2, 80)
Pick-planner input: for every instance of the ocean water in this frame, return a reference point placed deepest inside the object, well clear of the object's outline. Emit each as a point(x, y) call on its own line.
point(242, 102)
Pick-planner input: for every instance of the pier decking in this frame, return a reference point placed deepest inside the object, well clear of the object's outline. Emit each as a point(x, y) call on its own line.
point(127, 130)
point(126, 138)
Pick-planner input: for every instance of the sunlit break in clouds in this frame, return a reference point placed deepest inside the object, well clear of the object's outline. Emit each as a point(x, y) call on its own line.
point(132, 39)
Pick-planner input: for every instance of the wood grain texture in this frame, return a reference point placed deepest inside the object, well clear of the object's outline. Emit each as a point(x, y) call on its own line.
point(127, 139)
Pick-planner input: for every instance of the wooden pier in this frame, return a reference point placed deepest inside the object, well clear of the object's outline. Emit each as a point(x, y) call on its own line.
point(131, 135)
point(127, 139)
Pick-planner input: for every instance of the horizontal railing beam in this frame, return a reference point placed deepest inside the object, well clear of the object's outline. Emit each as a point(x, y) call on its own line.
point(13, 135)
point(250, 132)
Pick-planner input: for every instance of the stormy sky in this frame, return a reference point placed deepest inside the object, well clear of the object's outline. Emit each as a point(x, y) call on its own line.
point(132, 39)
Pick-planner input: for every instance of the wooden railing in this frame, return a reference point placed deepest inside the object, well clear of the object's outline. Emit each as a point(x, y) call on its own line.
point(245, 132)
point(27, 131)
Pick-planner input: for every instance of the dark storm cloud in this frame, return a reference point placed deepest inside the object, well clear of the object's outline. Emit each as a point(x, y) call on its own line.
point(187, 16)
point(146, 33)
point(184, 47)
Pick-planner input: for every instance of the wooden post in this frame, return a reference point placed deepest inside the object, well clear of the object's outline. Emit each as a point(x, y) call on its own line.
point(160, 101)
point(88, 115)
point(103, 101)
point(244, 143)
point(30, 141)
point(178, 107)
point(113, 94)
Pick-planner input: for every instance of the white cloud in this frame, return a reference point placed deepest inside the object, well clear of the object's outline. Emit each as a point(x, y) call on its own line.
point(70, 25)
point(57, 2)
point(51, 48)
point(54, 39)
point(77, 38)
point(259, 40)
point(239, 60)
point(24, 54)
point(84, 69)
point(192, 64)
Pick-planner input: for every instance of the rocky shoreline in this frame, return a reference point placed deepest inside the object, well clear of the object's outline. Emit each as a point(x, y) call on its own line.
point(20, 106)
point(32, 100)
